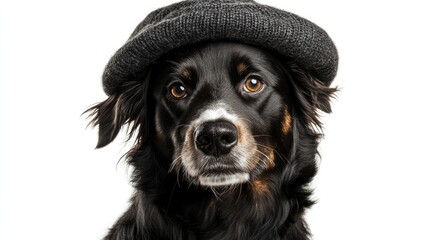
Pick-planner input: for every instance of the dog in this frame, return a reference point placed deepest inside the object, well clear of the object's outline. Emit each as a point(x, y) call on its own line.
point(226, 144)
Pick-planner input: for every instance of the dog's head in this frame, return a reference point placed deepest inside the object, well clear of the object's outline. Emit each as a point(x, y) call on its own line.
point(219, 107)
point(217, 114)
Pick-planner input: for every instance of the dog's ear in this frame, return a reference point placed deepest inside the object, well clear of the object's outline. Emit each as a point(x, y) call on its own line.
point(311, 94)
point(127, 106)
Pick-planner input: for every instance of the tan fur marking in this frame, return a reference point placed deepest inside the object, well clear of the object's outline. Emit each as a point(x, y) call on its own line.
point(245, 138)
point(186, 73)
point(240, 133)
point(241, 68)
point(188, 150)
point(259, 156)
point(260, 187)
point(270, 160)
point(287, 122)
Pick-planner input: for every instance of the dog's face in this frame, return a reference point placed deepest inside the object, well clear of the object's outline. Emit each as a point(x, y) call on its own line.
point(219, 112)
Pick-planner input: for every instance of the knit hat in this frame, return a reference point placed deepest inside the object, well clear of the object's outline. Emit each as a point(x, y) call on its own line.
point(194, 21)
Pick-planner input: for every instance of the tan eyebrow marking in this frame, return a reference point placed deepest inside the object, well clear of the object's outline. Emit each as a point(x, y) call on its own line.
point(186, 73)
point(241, 68)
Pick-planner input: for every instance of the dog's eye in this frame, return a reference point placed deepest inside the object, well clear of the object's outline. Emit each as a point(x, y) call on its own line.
point(178, 91)
point(253, 85)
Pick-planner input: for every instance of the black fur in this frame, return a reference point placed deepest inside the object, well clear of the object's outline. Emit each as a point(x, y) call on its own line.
point(167, 204)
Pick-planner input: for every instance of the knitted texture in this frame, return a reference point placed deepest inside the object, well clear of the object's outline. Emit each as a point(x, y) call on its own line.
point(193, 21)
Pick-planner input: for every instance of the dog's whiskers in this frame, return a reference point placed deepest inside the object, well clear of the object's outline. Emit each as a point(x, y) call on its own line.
point(215, 193)
point(281, 156)
point(260, 162)
point(175, 164)
point(183, 125)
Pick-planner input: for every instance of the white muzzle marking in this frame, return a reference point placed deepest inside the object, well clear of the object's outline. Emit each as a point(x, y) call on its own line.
point(223, 180)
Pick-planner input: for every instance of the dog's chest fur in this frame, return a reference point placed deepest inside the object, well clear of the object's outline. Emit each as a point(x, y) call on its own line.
point(238, 214)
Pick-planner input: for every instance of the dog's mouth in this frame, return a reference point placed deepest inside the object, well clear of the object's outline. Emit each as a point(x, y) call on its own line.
point(215, 174)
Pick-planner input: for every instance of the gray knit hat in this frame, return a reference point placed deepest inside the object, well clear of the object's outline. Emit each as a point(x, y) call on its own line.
point(193, 21)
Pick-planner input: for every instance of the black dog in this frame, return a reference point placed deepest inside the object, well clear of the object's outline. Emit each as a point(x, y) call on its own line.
point(227, 137)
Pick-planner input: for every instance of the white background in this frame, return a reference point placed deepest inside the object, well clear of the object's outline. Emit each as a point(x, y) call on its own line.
point(374, 173)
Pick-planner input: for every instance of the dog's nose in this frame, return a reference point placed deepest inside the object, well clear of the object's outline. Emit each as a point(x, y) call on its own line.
point(216, 138)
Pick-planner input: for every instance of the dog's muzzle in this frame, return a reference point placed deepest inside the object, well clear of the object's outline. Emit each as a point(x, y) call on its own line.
point(218, 148)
